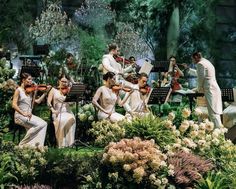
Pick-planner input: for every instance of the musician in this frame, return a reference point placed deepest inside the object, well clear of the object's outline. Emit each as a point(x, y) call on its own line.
point(106, 98)
point(208, 85)
point(110, 64)
point(136, 104)
point(69, 68)
point(23, 104)
point(175, 74)
point(63, 118)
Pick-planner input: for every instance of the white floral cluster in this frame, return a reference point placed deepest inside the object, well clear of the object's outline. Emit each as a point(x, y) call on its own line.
point(104, 132)
point(53, 26)
point(86, 113)
point(137, 161)
point(95, 14)
point(130, 41)
point(5, 71)
point(194, 136)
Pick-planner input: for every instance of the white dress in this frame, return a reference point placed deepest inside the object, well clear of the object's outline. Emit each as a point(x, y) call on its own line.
point(35, 126)
point(107, 100)
point(64, 123)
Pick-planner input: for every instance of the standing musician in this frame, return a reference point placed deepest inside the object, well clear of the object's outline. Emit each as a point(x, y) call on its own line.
point(63, 118)
point(23, 101)
point(111, 65)
point(136, 104)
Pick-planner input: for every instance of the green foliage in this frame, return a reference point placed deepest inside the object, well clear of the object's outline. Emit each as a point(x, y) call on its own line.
point(92, 48)
point(15, 17)
point(149, 127)
point(213, 180)
point(105, 132)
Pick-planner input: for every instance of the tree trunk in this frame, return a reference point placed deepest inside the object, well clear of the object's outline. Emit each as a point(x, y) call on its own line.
point(173, 33)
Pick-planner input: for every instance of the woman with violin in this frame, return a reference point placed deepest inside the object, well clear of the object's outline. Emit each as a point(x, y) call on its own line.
point(63, 117)
point(23, 101)
point(136, 104)
point(106, 98)
point(175, 74)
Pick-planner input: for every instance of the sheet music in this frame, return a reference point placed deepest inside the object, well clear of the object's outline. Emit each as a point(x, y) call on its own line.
point(146, 68)
point(184, 92)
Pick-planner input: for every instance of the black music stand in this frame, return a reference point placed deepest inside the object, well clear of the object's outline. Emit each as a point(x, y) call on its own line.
point(191, 97)
point(227, 94)
point(76, 94)
point(160, 66)
point(34, 71)
point(159, 95)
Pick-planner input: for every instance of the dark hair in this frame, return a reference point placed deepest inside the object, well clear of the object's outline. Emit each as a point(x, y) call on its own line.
point(172, 56)
point(197, 54)
point(24, 76)
point(132, 57)
point(142, 75)
point(63, 75)
point(68, 55)
point(108, 75)
point(112, 46)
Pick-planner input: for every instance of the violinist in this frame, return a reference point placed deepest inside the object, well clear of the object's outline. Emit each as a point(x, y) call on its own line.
point(69, 68)
point(111, 65)
point(23, 101)
point(175, 74)
point(63, 117)
point(106, 98)
point(136, 104)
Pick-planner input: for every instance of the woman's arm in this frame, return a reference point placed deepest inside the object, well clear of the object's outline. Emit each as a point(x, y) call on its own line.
point(49, 102)
point(122, 102)
point(96, 98)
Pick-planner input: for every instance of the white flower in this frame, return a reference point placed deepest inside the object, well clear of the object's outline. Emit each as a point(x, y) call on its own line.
point(164, 181)
point(163, 164)
point(216, 141)
point(171, 172)
point(184, 126)
point(202, 126)
point(171, 116)
point(157, 182)
point(186, 112)
point(201, 142)
point(198, 111)
point(168, 124)
point(195, 127)
point(152, 177)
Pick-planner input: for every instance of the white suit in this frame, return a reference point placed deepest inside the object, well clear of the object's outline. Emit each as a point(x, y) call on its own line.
point(110, 65)
point(136, 103)
point(208, 84)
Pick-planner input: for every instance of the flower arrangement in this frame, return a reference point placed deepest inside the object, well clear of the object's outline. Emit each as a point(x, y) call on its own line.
point(104, 132)
point(138, 162)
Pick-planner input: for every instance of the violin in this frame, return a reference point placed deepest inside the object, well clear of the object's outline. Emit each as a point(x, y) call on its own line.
point(145, 90)
point(65, 90)
point(117, 88)
point(121, 59)
point(33, 87)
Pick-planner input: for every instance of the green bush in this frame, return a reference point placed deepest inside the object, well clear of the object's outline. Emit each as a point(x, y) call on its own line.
point(149, 127)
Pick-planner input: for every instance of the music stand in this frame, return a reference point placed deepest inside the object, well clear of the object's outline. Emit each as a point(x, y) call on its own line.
point(159, 95)
point(227, 94)
point(76, 94)
point(160, 66)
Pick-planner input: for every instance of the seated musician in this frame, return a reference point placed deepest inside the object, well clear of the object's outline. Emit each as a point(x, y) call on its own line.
point(136, 104)
point(229, 113)
point(23, 101)
point(175, 74)
point(106, 98)
point(63, 117)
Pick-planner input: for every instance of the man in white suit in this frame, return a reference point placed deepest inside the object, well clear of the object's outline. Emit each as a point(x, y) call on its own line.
point(208, 85)
point(110, 65)
point(136, 104)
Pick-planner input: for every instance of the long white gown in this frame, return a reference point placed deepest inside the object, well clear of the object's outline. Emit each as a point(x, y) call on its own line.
point(107, 99)
point(64, 123)
point(35, 126)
